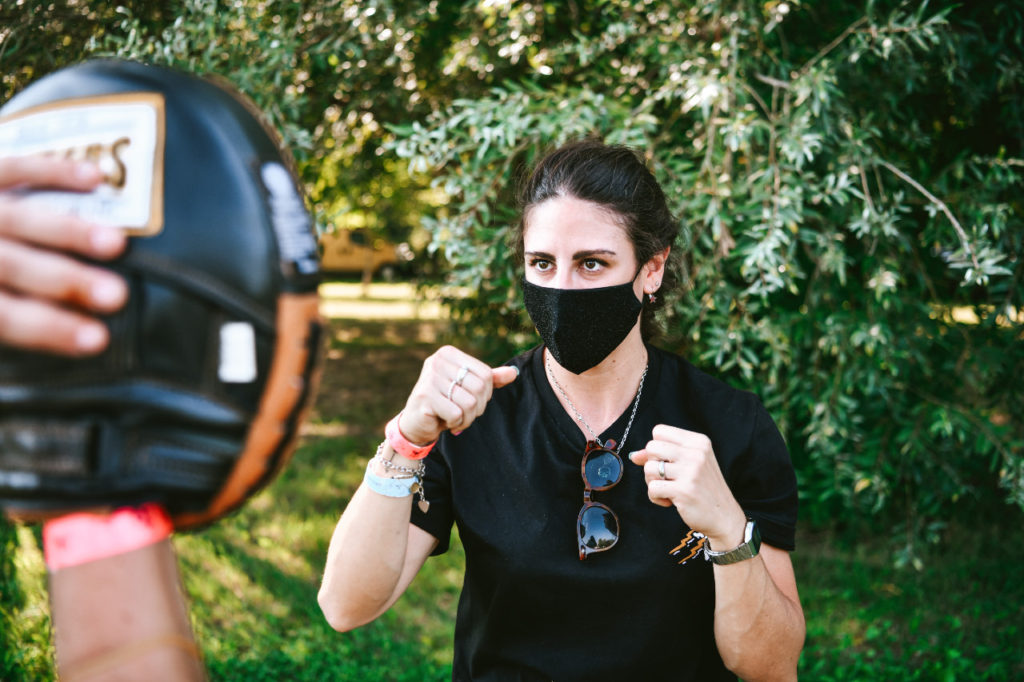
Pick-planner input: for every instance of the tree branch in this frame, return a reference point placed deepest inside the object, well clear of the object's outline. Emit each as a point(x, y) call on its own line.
point(831, 46)
point(757, 98)
point(964, 241)
point(774, 82)
point(867, 192)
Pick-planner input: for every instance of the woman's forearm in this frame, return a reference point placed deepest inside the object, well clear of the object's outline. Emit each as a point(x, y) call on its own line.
point(759, 628)
point(374, 552)
point(366, 559)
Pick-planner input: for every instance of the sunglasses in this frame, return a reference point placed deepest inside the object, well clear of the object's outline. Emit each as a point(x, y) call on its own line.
point(597, 527)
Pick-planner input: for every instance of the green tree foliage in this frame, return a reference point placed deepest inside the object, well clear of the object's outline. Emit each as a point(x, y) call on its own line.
point(848, 177)
point(327, 75)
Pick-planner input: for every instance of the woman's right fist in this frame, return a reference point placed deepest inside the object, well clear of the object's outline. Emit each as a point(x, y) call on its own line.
point(453, 389)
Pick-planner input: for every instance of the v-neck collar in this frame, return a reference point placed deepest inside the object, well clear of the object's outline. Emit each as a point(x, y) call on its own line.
point(566, 424)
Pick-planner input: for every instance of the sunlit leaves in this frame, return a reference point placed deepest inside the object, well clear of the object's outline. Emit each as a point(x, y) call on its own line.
point(821, 227)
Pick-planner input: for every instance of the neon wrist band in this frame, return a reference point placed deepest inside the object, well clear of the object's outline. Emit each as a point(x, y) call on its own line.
point(401, 444)
point(83, 537)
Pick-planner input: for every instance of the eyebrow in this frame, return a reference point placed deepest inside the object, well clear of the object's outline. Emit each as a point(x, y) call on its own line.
point(579, 255)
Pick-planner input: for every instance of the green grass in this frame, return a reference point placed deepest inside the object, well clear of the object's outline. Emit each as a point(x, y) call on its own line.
point(252, 577)
point(961, 617)
point(252, 580)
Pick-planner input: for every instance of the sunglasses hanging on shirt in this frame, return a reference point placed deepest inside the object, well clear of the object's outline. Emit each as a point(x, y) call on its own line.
point(597, 526)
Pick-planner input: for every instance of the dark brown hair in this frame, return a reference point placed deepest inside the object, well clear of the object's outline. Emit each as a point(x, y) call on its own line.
point(615, 178)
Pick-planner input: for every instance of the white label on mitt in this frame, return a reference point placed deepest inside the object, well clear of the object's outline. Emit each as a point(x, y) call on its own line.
point(291, 221)
point(237, 353)
point(123, 134)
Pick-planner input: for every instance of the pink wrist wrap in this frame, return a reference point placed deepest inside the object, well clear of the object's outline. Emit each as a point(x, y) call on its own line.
point(82, 537)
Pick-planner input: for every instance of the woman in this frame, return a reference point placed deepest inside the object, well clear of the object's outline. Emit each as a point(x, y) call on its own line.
point(527, 453)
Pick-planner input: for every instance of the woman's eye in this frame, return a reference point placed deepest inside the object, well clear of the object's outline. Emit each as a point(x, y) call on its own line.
point(539, 264)
point(591, 264)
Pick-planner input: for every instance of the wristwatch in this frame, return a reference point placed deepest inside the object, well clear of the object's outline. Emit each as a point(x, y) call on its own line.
point(748, 550)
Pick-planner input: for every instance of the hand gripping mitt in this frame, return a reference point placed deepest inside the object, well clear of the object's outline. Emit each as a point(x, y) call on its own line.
point(214, 360)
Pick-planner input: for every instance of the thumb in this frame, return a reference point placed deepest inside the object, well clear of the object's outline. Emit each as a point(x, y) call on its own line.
point(639, 457)
point(503, 376)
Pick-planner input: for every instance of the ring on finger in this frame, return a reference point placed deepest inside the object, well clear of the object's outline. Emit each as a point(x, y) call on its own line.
point(451, 388)
point(661, 469)
point(460, 377)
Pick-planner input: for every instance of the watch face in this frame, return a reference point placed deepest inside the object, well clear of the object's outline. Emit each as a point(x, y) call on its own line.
point(748, 549)
point(753, 536)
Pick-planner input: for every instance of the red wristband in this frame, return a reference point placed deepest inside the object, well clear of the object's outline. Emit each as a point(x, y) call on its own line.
point(401, 445)
point(82, 537)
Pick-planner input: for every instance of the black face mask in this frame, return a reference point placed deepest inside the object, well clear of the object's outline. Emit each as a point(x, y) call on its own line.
point(581, 327)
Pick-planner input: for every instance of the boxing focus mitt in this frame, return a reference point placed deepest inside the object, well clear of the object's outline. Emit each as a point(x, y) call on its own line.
point(214, 360)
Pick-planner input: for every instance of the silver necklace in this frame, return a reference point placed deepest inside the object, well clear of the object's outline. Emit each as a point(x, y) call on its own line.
point(629, 425)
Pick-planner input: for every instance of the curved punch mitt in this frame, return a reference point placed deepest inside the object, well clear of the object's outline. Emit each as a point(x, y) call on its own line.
point(214, 360)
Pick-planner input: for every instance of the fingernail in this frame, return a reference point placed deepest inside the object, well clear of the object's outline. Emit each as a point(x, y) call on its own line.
point(106, 240)
point(87, 172)
point(455, 433)
point(107, 293)
point(517, 371)
point(633, 454)
point(90, 338)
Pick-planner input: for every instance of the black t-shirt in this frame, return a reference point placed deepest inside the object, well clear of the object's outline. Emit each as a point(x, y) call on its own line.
point(530, 609)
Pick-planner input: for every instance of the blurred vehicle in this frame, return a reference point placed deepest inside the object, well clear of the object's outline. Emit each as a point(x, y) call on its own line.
point(357, 251)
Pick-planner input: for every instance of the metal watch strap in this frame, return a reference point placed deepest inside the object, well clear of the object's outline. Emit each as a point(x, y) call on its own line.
point(749, 548)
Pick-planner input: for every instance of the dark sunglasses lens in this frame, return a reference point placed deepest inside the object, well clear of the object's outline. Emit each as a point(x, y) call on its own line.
point(599, 529)
point(602, 469)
